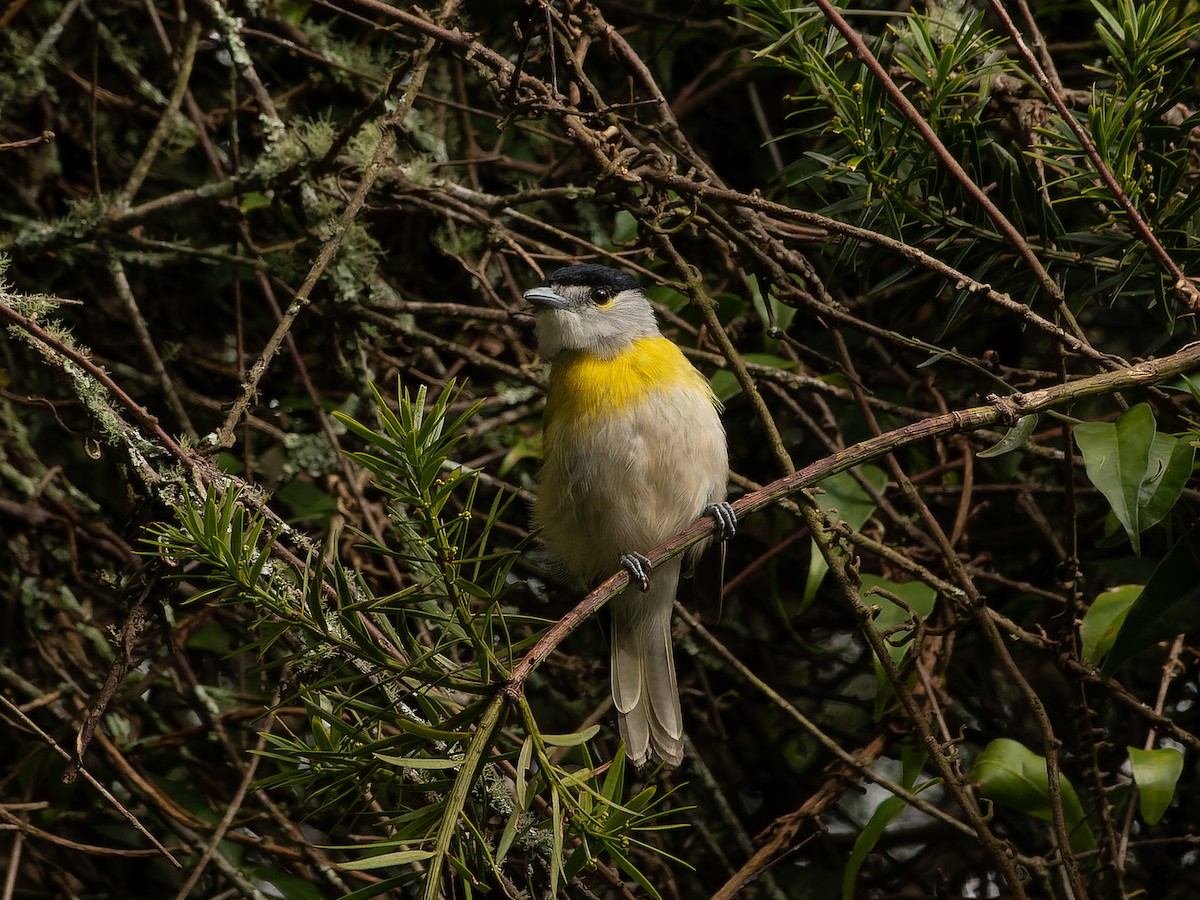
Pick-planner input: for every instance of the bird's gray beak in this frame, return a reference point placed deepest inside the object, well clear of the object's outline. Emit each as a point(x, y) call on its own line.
point(545, 298)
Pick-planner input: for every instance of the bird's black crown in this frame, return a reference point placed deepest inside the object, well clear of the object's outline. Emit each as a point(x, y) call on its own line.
point(592, 275)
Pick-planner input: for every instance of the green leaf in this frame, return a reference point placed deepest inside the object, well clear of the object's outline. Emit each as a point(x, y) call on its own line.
point(884, 813)
point(428, 732)
point(916, 594)
point(254, 200)
point(508, 835)
point(396, 858)
point(571, 740)
point(1013, 440)
point(376, 889)
point(418, 762)
point(913, 757)
point(522, 773)
point(1103, 620)
point(211, 636)
point(581, 856)
point(1191, 384)
point(921, 597)
point(1116, 457)
point(452, 807)
point(1170, 467)
point(724, 385)
point(556, 832)
point(1156, 773)
point(625, 864)
point(1169, 604)
point(614, 780)
point(1010, 774)
point(307, 502)
point(625, 228)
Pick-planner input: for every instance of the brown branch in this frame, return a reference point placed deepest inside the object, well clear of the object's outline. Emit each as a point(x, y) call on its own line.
point(49, 342)
point(49, 741)
point(44, 138)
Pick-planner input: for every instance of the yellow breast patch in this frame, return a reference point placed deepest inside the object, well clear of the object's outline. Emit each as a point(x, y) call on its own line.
point(584, 386)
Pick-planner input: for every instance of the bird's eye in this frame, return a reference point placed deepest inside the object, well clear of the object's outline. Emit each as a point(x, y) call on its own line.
point(601, 296)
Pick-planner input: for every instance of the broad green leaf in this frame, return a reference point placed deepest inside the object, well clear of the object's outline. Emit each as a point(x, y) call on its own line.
point(1116, 457)
point(625, 228)
point(913, 758)
point(1168, 605)
point(1013, 440)
point(1104, 619)
point(1170, 467)
point(294, 12)
point(1191, 383)
point(916, 594)
point(883, 816)
point(724, 385)
point(1010, 774)
point(1156, 773)
point(921, 597)
point(211, 637)
point(843, 499)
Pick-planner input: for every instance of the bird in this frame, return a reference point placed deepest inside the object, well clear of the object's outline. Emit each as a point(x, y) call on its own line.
point(633, 452)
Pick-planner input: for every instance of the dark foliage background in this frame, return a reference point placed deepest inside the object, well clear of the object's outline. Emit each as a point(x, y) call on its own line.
point(248, 214)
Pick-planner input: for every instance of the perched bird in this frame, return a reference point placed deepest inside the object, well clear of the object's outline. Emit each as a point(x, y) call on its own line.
point(634, 452)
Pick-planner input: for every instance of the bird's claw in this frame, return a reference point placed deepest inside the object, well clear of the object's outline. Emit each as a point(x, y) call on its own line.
point(638, 567)
point(725, 517)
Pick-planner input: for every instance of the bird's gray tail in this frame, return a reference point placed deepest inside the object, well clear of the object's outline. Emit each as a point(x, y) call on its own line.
point(643, 670)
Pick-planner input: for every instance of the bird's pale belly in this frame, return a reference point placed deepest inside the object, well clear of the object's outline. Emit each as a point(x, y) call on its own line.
point(629, 479)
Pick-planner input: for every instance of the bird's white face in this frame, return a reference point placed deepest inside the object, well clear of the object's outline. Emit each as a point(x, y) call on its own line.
point(593, 308)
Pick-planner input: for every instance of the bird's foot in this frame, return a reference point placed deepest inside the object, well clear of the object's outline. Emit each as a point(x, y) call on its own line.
point(725, 517)
point(638, 567)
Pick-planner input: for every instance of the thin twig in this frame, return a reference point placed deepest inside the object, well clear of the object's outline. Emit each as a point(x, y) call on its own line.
point(19, 714)
point(225, 434)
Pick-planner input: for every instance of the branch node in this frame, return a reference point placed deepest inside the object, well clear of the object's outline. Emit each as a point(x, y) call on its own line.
point(1009, 408)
